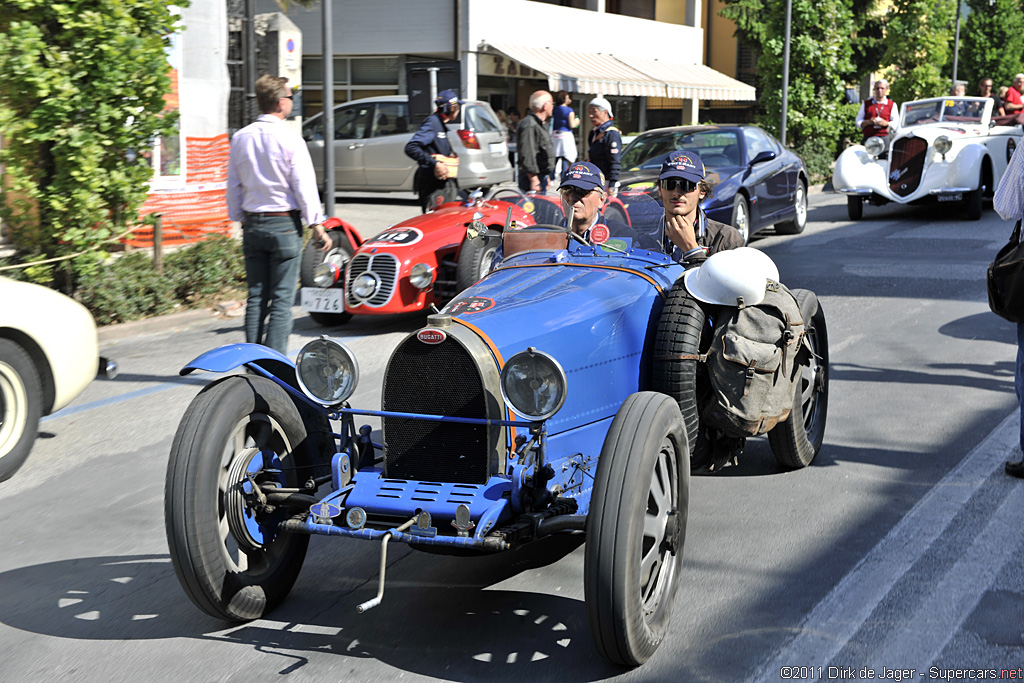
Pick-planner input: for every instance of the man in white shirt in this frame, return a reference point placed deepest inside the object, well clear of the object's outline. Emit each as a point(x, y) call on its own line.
point(878, 115)
point(272, 192)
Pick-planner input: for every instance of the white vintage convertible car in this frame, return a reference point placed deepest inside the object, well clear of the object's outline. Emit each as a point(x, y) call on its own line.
point(945, 149)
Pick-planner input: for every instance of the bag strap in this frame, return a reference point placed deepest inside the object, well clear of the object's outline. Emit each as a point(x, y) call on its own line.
point(1015, 235)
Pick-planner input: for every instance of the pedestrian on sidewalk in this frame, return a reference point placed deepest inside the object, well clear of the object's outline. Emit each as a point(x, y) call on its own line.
point(1009, 204)
point(272, 192)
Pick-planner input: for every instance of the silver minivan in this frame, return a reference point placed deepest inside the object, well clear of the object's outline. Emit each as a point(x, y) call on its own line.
point(370, 137)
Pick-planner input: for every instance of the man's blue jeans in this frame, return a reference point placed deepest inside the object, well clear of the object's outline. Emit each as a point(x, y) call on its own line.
point(272, 247)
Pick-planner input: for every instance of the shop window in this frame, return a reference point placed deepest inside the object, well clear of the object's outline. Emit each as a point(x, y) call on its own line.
point(166, 156)
point(375, 71)
point(641, 9)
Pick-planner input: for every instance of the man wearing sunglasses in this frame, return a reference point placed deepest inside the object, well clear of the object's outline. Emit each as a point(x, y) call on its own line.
point(689, 235)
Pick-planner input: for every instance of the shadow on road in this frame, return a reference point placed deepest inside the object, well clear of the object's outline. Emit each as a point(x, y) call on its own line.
point(438, 617)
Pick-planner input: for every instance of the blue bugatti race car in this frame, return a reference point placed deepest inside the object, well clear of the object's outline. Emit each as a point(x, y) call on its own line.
point(533, 404)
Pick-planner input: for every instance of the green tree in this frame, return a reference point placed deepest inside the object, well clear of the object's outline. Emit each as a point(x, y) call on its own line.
point(919, 39)
point(991, 42)
point(82, 85)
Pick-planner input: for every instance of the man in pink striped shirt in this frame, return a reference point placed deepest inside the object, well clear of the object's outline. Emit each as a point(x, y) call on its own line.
point(272, 192)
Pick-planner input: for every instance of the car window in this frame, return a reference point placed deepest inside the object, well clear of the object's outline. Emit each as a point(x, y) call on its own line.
point(757, 142)
point(313, 130)
point(390, 118)
point(350, 123)
point(480, 120)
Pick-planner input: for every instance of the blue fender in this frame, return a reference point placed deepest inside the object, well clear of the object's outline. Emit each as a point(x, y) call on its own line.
point(232, 356)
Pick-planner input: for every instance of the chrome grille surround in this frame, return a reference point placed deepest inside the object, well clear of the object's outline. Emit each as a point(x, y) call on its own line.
point(383, 268)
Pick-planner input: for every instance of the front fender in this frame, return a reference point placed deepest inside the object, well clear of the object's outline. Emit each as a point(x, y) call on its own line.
point(857, 172)
point(335, 223)
point(232, 356)
point(965, 170)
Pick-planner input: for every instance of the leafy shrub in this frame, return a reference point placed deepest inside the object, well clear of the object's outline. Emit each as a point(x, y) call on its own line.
point(126, 289)
point(206, 269)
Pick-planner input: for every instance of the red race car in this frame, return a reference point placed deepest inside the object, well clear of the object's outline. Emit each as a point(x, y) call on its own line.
point(423, 261)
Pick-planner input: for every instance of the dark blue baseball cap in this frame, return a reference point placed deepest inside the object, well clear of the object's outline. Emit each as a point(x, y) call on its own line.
point(446, 97)
point(583, 175)
point(683, 163)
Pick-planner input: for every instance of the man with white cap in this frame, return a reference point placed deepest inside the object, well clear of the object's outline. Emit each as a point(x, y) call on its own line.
point(605, 142)
point(690, 236)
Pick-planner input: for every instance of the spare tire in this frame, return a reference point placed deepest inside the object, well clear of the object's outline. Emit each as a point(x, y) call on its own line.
point(684, 332)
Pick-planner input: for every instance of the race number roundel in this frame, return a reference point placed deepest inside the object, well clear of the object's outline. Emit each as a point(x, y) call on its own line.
point(599, 234)
point(431, 336)
point(396, 237)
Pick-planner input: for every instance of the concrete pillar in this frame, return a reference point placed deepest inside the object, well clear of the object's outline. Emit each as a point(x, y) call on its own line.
point(689, 112)
point(596, 5)
point(693, 13)
point(469, 68)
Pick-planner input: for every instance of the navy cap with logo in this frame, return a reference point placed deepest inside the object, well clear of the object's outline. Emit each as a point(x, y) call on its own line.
point(446, 97)
point(683, 164)
point(583, 175)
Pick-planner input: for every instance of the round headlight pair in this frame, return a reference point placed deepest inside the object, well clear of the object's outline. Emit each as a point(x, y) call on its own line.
point(943, 144)
point(533, 384)
point(326, 274)
point(874, 146)
point(421, 276)
point(327, 371)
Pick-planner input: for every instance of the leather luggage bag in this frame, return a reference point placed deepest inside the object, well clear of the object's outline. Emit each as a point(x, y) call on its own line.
point(1006, 280)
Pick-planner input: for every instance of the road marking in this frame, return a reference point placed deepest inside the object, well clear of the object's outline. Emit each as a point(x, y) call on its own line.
point(831, 623)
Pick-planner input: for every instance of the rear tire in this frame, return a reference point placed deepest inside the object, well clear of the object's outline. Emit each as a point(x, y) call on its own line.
point(339, 254)
point(636, 529)
point(799, 222)
point(21, 406)
point(230, 560)
point(741, 217)
point(796, 442)
point(854, 208)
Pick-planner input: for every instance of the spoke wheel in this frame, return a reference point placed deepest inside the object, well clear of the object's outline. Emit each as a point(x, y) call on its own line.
point(797, 441)
point(339, 254)
point(226, 551)
point(21, 406)
point(636, 529)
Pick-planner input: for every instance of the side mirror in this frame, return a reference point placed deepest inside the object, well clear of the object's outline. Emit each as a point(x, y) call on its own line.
point(762, 157)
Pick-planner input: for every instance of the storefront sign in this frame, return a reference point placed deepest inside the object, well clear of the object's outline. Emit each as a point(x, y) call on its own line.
point(500, 65)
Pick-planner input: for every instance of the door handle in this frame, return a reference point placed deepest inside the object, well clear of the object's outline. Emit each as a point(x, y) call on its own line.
point(355, 145)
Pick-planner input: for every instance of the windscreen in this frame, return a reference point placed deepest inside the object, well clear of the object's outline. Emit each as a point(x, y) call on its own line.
point(950, 109)
point(717, 148)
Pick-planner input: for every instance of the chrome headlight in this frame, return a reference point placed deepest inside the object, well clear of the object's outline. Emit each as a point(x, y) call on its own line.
point(421, 275)
point(533, 384)
point(364, 286)
point(326, 274)
point(327, 371)
point(874, 146)
point(942, 144)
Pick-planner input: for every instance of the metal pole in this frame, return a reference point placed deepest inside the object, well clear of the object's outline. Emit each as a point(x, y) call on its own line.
point(785, 74)
point(328, 114)
point(251, 109)
point(158, 244)
point(433, 84)
point(956, 44)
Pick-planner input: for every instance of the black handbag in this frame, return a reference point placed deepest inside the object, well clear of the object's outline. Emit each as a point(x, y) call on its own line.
point(1006, 280)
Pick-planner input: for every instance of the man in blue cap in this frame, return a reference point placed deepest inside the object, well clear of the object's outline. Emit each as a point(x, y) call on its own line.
point(583, 191)
point(429, 143)
point(689, 235)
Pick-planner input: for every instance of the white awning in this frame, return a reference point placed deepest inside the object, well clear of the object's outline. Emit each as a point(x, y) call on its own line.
point(691, 81)
point(583, 72)
point(613, 74)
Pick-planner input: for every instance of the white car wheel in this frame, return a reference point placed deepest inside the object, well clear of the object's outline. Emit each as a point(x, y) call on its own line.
point(21, 402)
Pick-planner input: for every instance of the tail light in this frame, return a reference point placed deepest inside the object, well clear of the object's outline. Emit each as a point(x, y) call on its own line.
point(468, 138)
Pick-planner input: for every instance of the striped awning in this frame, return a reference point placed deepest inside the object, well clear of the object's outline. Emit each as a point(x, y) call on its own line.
point(691, 81)
point(584, 72)
point(614, 74)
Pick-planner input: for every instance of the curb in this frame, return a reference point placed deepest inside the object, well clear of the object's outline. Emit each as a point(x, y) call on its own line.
point(163, 323)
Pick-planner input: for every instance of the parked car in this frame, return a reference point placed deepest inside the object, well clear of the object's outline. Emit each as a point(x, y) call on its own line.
point(945, 149)
point(523, 409)
point(48, 354)
point(756, 181)
point(370, 137)
point(420, 262)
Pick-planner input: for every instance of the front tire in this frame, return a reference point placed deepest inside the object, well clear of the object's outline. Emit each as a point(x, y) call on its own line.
point(799, 222)
point(339, 254)
point(228, 556)
point(797, 441)
point(474, 261)
point(21, 406)
point(975, 207)
point(741, 217)
point(854, 208)
point(636, 529)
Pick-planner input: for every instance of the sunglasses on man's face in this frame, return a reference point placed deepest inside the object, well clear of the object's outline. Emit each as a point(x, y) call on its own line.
point(573, 194)
point(681, 184)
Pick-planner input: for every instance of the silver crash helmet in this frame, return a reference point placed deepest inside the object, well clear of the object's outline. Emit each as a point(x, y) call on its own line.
point(732, 278)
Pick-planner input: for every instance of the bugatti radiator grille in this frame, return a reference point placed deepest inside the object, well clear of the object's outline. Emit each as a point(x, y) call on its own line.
point(382, 268)
point(437, 379)
point(906, 165)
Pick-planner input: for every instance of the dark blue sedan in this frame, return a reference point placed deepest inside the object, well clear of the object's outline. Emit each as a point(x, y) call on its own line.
point(757, 182)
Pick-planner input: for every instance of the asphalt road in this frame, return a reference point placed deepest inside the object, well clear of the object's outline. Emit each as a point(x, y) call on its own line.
point(898, 548)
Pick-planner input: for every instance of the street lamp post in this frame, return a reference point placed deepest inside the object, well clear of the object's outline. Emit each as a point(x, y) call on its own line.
point(785, 74)
point(956, 42)
point(328, 115)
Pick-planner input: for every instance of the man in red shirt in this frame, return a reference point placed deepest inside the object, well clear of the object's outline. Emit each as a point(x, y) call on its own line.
point(1012, 103)
point(878, 114)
